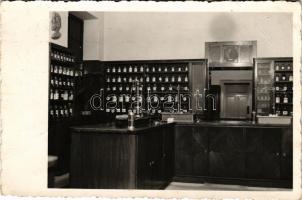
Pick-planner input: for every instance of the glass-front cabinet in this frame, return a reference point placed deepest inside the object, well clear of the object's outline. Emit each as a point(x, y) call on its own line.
point(273, 81)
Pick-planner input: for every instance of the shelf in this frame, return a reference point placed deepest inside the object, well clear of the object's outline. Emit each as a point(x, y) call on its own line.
point(52, 60)
point(284, 103)
point(282, 71)
point(62, 88)
point(169, 72)
point(62, 75)
point(283, 81)
point(123, 73)
point(60, 101)
point(280, 91)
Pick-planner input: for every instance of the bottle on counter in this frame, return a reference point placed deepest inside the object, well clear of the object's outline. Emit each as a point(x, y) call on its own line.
point(130, 120)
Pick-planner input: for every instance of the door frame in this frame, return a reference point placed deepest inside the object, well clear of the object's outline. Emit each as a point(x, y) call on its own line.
point(222, 100)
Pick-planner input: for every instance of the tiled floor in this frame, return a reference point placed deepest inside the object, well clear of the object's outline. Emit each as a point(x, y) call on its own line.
point(210, 186)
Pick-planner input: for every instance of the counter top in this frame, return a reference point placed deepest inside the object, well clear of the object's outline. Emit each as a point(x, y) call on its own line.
point(233, 123)
point(111, 128)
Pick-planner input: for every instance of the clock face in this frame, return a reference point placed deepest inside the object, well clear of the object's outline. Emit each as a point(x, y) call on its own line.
point(231, 53)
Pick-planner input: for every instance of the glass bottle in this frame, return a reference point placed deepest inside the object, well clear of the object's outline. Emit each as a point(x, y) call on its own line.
point(285, 99)
point(179, 79)
point(277, 99)
point(277, 78)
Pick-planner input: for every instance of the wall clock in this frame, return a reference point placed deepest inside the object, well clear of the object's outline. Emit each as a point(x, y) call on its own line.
point(231, 53)
point(55, 25)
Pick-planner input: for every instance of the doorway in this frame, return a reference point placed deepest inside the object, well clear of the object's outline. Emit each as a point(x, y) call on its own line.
point(236, 99)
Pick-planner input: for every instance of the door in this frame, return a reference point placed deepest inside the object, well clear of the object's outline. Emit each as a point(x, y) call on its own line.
point(237, 106)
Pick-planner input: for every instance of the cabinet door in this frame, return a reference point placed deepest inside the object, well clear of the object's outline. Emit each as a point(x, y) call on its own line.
point(200, 151)
point(183, 150)
point(263, 153)
point(144, 170)
point(287, 154)
point(226, 157)
point(168, 154)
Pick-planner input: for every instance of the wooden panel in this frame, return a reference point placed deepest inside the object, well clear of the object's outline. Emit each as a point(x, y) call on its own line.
point(183, 150)
point(263, 152)
point(226, 139)
point(230, 165)
point(200, 151)
point(105, 161)
point(263, 166)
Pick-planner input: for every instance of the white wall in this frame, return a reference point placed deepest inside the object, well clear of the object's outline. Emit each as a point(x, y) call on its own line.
point(93, 39)
point(135, 36)
point(63, 40)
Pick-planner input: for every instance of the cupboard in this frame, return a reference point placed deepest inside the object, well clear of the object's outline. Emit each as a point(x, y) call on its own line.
point(249, 155)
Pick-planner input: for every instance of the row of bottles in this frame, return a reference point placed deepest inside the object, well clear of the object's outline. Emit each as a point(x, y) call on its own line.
point(163, 88)
point(154, 88)
point(67, 71)
point(283, 77)
point(283, 98)
point(57, 112)
point(61, 82)
point(66, 95)
point(127, 79)
point(123, 88)
point(284, 111)
point(283, 88)
point(125, 69)
point(141, 68)
point(113, 98)
point(283, 66)
point(167, 79)
point(61, 56)
point(167, 69)
point(148, 79)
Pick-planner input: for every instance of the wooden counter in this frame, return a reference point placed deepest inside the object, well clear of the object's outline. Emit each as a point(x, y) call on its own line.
point(107, 157)
point(242, 153)
point(150, 157)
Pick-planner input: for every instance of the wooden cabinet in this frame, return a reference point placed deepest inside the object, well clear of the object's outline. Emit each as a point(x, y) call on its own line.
point(251, 155)
point(263, 152)
point(226, 157)
point(141, 160)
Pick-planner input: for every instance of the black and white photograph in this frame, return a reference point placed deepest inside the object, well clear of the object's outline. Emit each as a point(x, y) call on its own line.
point(159, 100)
point(171, 101)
